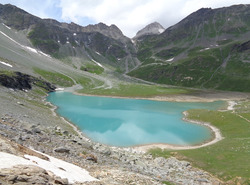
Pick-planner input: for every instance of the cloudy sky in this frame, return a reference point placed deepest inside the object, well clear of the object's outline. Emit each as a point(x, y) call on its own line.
point(129, 15)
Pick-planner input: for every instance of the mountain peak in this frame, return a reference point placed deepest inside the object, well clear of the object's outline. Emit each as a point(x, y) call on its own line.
point(111, 31)
point(154, 28)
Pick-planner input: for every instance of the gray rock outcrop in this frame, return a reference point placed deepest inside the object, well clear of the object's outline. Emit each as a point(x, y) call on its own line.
point(154, 28)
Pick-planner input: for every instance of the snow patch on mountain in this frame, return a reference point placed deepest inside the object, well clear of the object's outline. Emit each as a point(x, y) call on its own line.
point(97, 63)
point(33, 50)
point(6, 64)
point(6, 26)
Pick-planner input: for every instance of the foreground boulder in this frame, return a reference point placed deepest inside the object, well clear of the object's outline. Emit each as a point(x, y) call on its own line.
point(27, 174)
point(62, 150)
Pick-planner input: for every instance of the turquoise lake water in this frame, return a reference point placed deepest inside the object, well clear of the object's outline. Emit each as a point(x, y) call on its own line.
point(130, 122)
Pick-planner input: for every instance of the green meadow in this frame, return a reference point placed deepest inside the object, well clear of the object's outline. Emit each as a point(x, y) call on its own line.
point(228, 159)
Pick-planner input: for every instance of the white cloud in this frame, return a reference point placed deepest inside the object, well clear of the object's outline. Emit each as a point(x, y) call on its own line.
point(132, 15)
point(128, 15)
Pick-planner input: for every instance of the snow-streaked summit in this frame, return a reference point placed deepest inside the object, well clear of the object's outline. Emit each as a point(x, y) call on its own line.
point(151, 29)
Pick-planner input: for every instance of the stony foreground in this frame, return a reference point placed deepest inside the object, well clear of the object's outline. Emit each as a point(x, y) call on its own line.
point(26, 121)
point(109, 165)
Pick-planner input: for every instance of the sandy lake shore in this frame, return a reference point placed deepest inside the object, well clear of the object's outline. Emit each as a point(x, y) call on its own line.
point(217, 136)
point(215, 131)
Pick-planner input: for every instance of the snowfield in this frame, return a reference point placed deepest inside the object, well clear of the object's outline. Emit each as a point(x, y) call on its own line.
point(58, 167)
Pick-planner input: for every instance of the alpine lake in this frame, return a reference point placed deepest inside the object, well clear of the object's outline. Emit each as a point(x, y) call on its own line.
point(131, 122)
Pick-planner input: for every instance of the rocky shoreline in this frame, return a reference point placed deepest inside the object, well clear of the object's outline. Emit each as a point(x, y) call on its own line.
point(51, 135)
point(119, 164)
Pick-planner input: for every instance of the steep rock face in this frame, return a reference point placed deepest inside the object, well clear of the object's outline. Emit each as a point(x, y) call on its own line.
point(154, 28)
point(22, 81)
point(50, 37)
point(111, 31)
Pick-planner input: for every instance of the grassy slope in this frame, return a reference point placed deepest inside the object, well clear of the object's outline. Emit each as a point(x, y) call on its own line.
point(202, 69)
point(219, 29)
point(92, 68)
point(135, 90)
point(229, 158)
point(55, 78)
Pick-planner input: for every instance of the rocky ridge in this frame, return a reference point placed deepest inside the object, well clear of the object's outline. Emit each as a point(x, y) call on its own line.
point(61, 40)
point(110, 31)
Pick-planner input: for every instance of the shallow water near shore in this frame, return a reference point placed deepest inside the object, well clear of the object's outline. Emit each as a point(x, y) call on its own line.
point(131, 122)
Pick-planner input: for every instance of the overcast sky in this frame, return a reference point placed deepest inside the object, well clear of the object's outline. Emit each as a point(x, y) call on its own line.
point(129, 15)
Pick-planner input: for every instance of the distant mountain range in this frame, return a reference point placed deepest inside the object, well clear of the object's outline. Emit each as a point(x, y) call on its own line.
point(62, 40)
point(208, 49)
